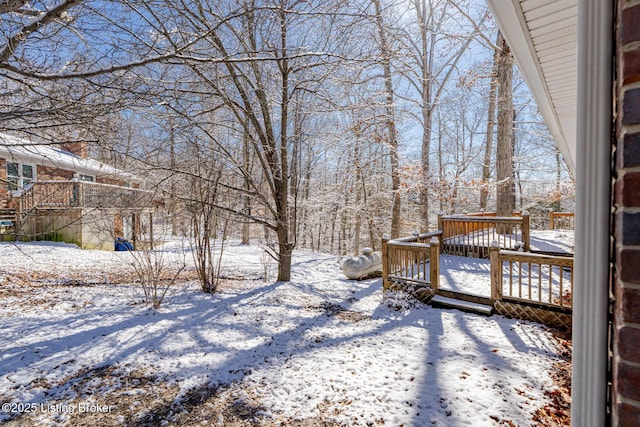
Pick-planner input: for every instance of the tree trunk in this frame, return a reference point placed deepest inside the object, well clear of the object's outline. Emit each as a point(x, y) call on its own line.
point(173, 200)
point(358, 210)
point(391, 124)
point(442, 200)
point(426, 84)
point(285, 251)
point(247, 185)
point(425, 167)
point(504, 158)
point(557, 204)
point(491, 116)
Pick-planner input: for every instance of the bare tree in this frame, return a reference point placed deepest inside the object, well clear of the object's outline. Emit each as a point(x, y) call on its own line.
point(491, 121)
point(157, 269)
point(504, 158)
point(248, 71)
point(66, 66)
point(432, 69)
point(206, 221)
point(392, 133)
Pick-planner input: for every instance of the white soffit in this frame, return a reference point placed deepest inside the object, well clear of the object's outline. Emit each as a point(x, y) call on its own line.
point(543, 37)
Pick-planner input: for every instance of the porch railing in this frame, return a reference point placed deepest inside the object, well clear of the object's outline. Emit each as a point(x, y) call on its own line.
point(83, 194)
point(412, 260)
point(471, 236)
point(546, 280)
point(561, 220)
point(523, 284)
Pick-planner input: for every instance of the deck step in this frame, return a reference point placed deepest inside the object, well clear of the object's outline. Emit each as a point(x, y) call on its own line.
point(465, 296)
point(471, 307)
point(7, 221)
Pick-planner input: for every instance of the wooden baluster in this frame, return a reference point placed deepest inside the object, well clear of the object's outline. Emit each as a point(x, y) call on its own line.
point(385, 262)
point(520, 279)
point(496, 271)
point(540, 282)
point(571, 301)
point(561, 277)
point(434, 263)
point(529, 274)
point(550, 282)
point(510, 278)
point(526, 231)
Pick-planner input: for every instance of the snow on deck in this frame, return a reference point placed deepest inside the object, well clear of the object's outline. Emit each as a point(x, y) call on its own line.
point(472, 275)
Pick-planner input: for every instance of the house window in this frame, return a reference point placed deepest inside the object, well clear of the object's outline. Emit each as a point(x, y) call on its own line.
point(88, 178)
point(19, 175)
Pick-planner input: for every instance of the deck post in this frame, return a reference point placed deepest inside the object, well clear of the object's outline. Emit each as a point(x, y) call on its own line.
point(496, 271)
point(551, 220)
point(385, 263)
point(441, 228)
point(526, 231)
point(434, 263)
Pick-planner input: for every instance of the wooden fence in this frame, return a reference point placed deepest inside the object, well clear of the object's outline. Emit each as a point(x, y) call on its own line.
point(411, 260)
point(471, 236)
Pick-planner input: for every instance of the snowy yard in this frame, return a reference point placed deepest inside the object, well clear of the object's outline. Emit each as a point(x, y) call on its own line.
point(79, 349)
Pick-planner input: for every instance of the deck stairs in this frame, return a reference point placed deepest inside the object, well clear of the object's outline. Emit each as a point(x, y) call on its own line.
point(462, 301)
point(7, 221)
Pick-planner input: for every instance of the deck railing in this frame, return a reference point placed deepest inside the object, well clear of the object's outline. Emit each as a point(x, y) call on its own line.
point(561, 220)
point(471, 236)
point(523, 284)
point(412, 260)
point(546, 280)
point(83, 194)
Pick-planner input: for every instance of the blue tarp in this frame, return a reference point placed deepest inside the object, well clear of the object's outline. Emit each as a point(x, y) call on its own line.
point(122, 244)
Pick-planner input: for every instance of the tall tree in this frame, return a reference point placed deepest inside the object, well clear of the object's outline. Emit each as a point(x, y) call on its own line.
point(249, 63)
point(491, 122)
point(431, 70)
point(392, 133)
point(504, 145)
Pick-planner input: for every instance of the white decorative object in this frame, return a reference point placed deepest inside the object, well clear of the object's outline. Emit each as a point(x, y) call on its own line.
point(369, 264)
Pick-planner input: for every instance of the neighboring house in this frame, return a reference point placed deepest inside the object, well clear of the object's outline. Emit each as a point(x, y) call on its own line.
point(55, 192)
point(581, 59)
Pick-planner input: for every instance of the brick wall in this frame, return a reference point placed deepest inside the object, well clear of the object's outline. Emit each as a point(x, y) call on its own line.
point(46, 173)
point(118, 225)
point(79, 148)
point(626, 198)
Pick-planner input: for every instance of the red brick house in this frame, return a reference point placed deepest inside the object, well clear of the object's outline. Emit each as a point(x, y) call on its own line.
point(581, 59)
point(55, 192)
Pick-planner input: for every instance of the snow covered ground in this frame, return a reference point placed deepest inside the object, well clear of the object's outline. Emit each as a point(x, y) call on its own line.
point(78, 348)
point(553, 240)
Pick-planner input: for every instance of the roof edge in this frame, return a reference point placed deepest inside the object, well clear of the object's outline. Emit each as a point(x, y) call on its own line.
point(12, 147)
point(510, 19)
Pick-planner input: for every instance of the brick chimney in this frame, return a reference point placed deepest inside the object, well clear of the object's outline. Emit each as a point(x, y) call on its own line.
point(79, 148)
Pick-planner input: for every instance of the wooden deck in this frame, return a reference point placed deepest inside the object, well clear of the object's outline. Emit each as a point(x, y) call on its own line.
point(532, 286)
